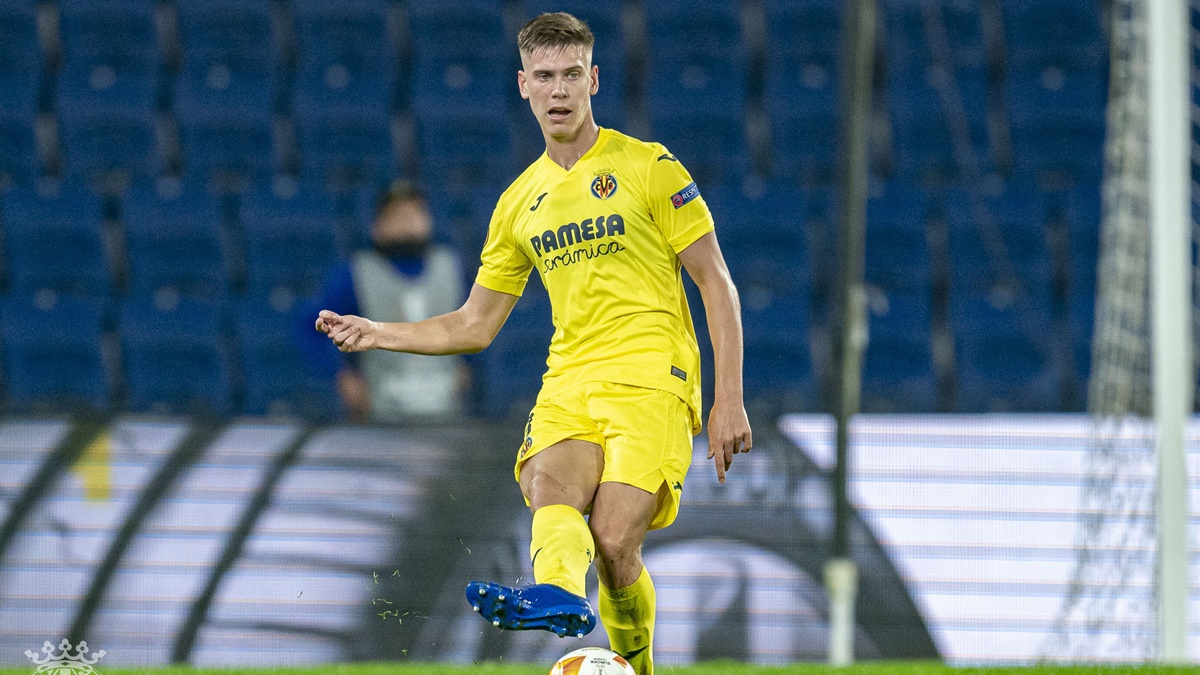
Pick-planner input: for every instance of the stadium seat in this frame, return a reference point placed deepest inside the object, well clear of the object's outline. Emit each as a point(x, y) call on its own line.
point(345, 89)
point(898, 374)
point(1058, 123)
point(277, 379)
point(290, 234)
point(462, 58)
point(762, 234)
point(21, 60)
point(801, 86)
point(1005, 359)
point(897, 251)
point(1063, 33)
point(174, 355)
point(107, 92)
point(929, 113)
point(909, 25)
point(697, 81)
point(175, 239)
point(59, 364)
point(55, 240)
point(19, 156)
point(227, 88)
point(459, 150)
point(609, 53)
point(990, 238)
point(511, 368)
point(777, 366)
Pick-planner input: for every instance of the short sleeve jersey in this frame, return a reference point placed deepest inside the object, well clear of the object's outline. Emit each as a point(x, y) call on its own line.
point(605, 237)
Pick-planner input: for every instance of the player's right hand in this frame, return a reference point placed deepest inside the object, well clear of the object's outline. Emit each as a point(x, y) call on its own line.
point(350, 333)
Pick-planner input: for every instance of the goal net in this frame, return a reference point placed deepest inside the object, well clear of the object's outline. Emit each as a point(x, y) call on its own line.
point(1111, 607)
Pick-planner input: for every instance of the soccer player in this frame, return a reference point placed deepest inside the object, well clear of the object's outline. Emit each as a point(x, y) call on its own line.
point(607, 220)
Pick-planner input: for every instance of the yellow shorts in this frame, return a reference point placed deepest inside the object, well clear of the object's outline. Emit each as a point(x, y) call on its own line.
point(646, 435)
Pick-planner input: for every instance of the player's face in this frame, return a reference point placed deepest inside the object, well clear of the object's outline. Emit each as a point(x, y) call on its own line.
point(559, 83)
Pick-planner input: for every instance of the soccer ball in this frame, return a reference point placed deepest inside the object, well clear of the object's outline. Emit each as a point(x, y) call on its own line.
point(592, 661)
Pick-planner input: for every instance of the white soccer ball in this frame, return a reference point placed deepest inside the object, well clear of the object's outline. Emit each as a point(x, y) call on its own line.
point(592, 661)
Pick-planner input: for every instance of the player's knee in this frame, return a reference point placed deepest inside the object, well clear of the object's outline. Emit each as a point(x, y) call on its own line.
point(544, 489)
point(615, 544)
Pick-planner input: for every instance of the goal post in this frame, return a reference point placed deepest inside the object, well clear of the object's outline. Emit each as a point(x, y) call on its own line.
point(1168, 72)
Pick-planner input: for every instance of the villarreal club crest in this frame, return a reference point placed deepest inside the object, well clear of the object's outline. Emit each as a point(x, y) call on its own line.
point(604, 185)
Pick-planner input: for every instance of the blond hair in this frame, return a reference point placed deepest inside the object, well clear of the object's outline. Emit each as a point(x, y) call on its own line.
point(555, 30)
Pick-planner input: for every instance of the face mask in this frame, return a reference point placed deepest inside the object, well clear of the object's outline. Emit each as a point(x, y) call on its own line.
point(406, 249)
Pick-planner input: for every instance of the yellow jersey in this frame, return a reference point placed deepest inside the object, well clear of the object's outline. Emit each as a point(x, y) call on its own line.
point(605, 237)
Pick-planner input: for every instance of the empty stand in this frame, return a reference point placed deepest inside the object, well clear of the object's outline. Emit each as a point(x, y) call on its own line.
point(53, 351)
point(278, 380)
point(107, 93)
point(55, 240)
point(290, 237)
point(174, 354)
point(227, 88)
point(175, 239)
point(345, 88)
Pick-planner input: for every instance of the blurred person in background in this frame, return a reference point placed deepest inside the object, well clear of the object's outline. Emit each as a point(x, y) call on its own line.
point(404, 277)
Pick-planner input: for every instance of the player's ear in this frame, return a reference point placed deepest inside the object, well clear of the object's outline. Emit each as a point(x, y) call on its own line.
point(595, 87)
point(522, 84)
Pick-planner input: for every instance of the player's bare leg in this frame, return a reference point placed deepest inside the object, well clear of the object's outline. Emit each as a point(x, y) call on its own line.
point(621, 515)
point(559, 482)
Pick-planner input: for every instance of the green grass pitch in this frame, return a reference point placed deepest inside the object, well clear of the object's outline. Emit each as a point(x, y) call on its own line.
point(713, 668)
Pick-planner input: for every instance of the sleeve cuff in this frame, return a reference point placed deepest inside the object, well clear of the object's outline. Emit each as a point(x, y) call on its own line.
point(687, 236)
point(500, 284)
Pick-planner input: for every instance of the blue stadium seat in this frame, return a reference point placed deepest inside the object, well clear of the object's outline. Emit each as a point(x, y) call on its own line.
point(777, 367)
point(463, 58)
point(1058, 123)
point(59, 365)
point(465, 148)
point(1083, 211)
point(762, 234)
point(174, 355)
point(290, 238)
point(108, 87)
point(801, 86)
point(277, 379)
point(19, 157)
point(897, 251)
point(227, 88)
point(55, 240)
point(345, 89)
point(697, 86)
point(21, 59)
point(609, 53)
point(1063, 33)
point(175, 239)
point(1004, 356)
point(898, 374)
point(992, 237)
point(924, 140)
point(908, 25)
point(511, 368)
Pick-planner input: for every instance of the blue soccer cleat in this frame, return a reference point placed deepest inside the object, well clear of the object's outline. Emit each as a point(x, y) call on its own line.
point(537, 607)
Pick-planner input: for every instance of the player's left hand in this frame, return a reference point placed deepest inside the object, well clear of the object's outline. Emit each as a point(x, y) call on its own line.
point(728, 434)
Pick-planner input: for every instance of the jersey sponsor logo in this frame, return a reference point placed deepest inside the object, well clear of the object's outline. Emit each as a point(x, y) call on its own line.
point(553, 247)
point(574, 233)
point(604, 186)
point(539, 201)
point(687, 194)
point(667, 156)
point(679, 372)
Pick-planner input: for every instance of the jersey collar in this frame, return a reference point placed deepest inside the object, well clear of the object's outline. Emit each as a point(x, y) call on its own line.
point(601, 141)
